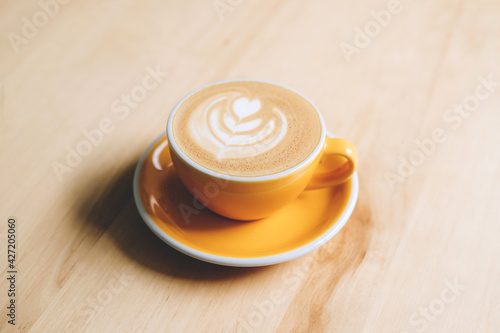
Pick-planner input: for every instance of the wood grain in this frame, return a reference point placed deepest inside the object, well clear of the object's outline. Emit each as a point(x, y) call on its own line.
point(421, 251)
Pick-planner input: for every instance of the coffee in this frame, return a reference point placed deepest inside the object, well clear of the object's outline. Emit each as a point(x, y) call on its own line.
point(246, 128)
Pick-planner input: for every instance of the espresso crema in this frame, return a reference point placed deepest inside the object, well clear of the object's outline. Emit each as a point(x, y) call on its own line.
point(246, 128)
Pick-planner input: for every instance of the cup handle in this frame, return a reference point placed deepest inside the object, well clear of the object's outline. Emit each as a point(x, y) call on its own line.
point(337, 165)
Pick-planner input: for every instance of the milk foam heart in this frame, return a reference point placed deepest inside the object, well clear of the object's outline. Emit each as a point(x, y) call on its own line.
point(247, 128)
point(243, 108)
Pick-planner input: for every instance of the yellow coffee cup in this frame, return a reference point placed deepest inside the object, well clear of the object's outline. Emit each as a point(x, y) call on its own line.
point(332, 161)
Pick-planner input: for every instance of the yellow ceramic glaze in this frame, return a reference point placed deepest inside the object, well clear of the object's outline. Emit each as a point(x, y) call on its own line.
point(338, 163)
point(249, 199)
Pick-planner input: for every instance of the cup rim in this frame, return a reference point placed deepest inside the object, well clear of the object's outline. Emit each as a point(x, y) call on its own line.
point(308, 160)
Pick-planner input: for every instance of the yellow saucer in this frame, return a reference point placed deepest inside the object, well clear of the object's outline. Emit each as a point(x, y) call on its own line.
point(172, 214)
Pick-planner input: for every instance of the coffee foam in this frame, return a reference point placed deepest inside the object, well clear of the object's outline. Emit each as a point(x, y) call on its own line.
point(246, 128)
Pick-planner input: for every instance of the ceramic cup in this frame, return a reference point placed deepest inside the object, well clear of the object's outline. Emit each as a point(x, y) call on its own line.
point(332, 161)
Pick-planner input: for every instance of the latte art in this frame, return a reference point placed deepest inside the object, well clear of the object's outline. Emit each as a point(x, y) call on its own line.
point(233, 127)
point(246, 128)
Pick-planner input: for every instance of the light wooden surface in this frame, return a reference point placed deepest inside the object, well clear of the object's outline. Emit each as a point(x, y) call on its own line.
point(414, 234)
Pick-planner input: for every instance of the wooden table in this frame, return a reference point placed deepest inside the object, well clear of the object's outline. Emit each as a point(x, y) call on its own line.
point(414, 84)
